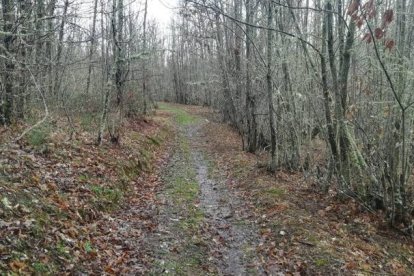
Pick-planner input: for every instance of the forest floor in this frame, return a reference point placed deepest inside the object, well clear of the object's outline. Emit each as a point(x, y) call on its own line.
point(179, 197)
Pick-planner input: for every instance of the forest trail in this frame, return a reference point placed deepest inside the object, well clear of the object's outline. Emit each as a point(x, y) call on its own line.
point(221, 213)
point(179, 196)
point(285, 145)
point(202, 225)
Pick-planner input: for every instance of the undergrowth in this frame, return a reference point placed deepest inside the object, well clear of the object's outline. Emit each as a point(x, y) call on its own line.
point(39, 135)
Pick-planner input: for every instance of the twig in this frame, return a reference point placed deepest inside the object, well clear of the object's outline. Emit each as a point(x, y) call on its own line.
point(218, 10)
point(307, 243)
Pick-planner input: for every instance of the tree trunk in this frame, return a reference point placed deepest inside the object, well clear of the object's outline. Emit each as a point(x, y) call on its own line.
point(92, 46)
point(250, 98)
point(39, 29)
point(117, 32)
point(49, 44)
point(229, 109)
point(8, 74)
point(273, 162)
point(25, 8)
point(56, 89)
point(145, 93)
point(325, 89)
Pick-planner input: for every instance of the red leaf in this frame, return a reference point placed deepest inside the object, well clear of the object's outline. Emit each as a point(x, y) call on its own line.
point(353, 7)
point(355, 17)
point(359, 23)
point(379, 33)
point(389, 44)
point(388, 17)
point(367, 37)
point(368, 6)
point(372, 13)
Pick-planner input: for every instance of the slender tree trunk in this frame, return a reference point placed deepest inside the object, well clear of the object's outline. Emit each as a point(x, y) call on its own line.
point(293, 151)
point(56, 89)
point(250, 98)
point(326, 100)
point(341, 34)
point(39, 29)
point(117, 32)
point(106, 84)
point(238, 75)
point(344, 135)
point(229, 109)
point(273, 162)
point(25, 8)
point(49, 45)
point(92, 46)
point(8, 18)
point(104, 114)
point(144, 64)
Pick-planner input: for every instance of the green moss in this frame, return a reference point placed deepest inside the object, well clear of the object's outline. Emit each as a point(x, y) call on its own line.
point(313, 239)
point(40, 268)
point(87, 247)
point(277, 192)
point(185, 119)
point(106, 198)
point(83, 178)
point(181, 116)
point(321, 262)
point(183, 189)
point(130, 169)
point(193, 222)
point(154, 140)
point(61, 249)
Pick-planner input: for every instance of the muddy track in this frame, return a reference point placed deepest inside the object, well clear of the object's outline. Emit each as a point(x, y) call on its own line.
point(207, 233)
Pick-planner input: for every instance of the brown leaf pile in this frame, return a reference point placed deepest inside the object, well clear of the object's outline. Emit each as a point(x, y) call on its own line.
point(74, 206)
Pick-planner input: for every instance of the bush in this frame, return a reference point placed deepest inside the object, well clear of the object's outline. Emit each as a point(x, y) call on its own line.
point(39, 136)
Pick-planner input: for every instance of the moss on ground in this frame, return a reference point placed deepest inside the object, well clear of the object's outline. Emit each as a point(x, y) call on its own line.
point(190, 254)
point(182, 117)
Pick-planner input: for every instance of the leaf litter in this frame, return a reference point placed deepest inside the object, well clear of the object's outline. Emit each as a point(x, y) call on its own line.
point(76, 208)
point(181, 200)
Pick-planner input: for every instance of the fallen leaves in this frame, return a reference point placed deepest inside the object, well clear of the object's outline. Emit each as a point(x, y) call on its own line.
point(52, 219)
point(303, 231)
point(53, 205)
point(17, 266)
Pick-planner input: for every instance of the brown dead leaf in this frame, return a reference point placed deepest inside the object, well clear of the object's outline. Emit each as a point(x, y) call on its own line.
point(17, 265)
point(350, 265)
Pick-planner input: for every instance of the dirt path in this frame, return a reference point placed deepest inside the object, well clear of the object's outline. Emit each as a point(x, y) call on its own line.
point(221, 214)
point(202, 226)
point(180, 197)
